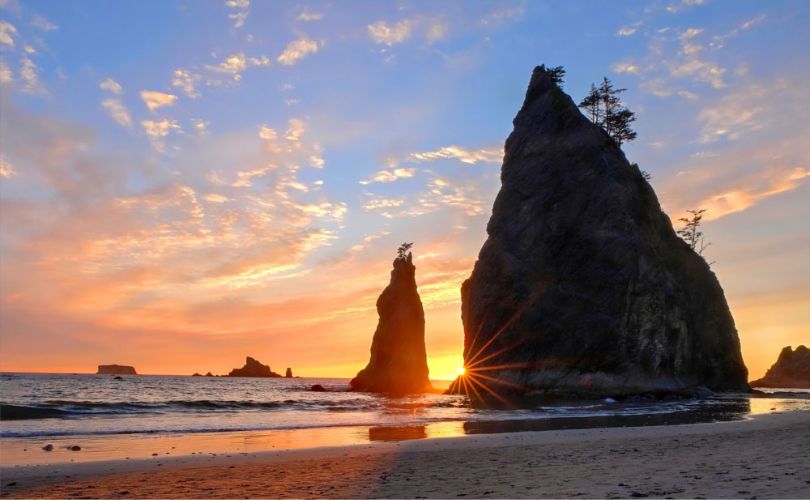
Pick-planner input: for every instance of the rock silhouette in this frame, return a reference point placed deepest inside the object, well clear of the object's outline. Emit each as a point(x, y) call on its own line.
point(253, 368)
point(582, 286)
point(289, 373)
point(116, 370)
point(791, 370)
point(398, 361)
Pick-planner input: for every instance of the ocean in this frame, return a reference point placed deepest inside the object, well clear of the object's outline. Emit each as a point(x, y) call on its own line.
point(90, 408)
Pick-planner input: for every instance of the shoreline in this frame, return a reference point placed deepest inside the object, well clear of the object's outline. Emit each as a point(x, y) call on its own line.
point(26, 451)
point(725, 459)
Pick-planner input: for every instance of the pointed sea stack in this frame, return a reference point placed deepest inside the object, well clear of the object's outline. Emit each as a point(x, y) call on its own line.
point(582, 287)
point(398, 361)
point(791, 370)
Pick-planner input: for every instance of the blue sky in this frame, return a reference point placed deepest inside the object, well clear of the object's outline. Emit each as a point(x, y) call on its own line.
point(212, 177)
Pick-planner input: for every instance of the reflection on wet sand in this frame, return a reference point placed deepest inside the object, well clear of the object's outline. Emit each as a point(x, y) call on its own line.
point(397, 433)
point(27, 451)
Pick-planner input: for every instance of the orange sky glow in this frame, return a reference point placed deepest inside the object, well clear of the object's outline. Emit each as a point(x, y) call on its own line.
point(237, 183)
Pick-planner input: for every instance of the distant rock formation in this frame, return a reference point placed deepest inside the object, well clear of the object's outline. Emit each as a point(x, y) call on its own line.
point(398, 361)
point(791, 370)
point(582, 286)
point(116, 370)
point(253, 368)
point(289, 373)
point(196, 374)
point(209, 374)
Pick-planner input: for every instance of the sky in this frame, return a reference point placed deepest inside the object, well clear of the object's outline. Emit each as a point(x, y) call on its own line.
point(185, 183)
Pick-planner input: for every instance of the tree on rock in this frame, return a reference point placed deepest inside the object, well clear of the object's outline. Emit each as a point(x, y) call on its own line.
point(403, 250)
point(606, 109)
point(691, 233)
point(557, 74)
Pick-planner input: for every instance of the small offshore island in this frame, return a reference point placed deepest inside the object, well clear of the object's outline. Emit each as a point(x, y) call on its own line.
point(116, 370)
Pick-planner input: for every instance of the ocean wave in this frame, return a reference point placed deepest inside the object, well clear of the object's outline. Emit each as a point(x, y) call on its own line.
point(61, 408)
point(17, 412)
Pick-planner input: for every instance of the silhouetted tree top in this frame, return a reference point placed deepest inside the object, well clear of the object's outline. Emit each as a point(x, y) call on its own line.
point(605, 108)
point(403, 249)
point(557, 74)
point(691, 234)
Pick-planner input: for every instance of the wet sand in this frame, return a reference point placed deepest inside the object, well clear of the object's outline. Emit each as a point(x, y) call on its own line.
point(764, 457)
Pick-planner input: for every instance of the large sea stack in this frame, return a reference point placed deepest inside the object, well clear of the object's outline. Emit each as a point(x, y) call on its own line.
point(582, 286)
point(791, 370)
point(398, 361)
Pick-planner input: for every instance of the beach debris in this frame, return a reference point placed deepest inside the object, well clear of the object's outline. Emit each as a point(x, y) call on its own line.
point(48, 447)
point(398, 362)
point(75, 448)
point(582, 287)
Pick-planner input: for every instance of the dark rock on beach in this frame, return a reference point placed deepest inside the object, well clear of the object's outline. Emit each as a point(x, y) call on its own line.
point(116, 370)
point(398, 361)
point(317, 388)
point(791, 370)
point(253, 368)
point(582, 286)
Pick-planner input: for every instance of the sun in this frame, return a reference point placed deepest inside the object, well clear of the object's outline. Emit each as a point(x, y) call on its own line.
point(460, 371)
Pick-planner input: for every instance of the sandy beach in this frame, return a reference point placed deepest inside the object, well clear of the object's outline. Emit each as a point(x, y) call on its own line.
point(763, 457)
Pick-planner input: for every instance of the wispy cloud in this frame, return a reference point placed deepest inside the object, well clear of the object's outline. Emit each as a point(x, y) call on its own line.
point(200, 126)
point(6, 170)
point(5, 73)
point(29, 73)
point(240, 16)
point(111, 85)
point(306, 15)
point(749, 192)
point(626, 67)
point(626, 31)
point(156, 100)
point(7, 33)
point(390, 34)
point(158, 130)
point(43, 24)
point(235, 64)
point(384, 176)
point(469, 156)
point(297, 50)
point(735, 115)
point(676, 7)
point(117, 111)
point(186, 81)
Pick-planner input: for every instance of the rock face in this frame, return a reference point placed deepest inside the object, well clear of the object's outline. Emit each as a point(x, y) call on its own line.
point(116, 370)
point(791, 370)
point(398, 361)
point(253, 368)
point(582, 285)
point(289, 373)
